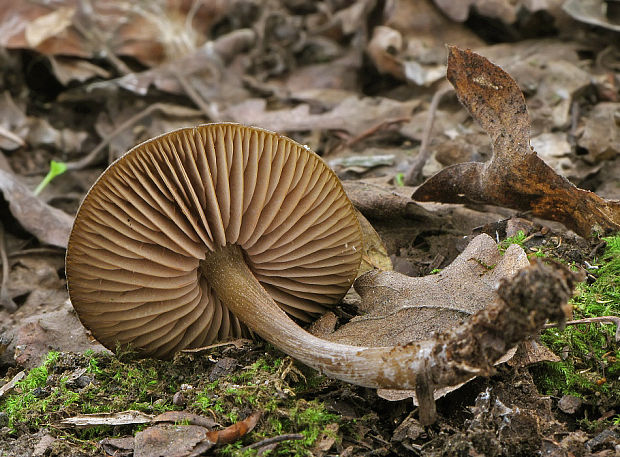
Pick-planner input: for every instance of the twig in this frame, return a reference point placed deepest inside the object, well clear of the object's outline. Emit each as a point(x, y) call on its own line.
point(94, 154)
point(11, 136)
point(414, 175)
point(592, 320)
point(9, 385)
point(375, 128)
point(91, 33)
point(239, 343)
point(574, 123)
point(5, 299)
point(38, 251)
point(200, 102)
point(272, 440)
point(600, 245)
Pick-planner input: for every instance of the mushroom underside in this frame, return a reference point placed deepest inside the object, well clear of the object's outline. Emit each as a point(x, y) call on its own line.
point(135, 261)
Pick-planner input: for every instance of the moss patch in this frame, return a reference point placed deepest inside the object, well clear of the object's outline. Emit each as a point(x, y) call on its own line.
point(263, 380)
point(590, 366)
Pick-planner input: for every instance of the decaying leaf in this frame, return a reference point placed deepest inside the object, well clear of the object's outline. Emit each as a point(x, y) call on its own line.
point(601, 135)
point(235, 431)
point(177, 440)
point(353, 115)
point(188, 440)
point(399, 309)
point(515, 177)
point(167, 437)
point(375, 255)
point(47, 223)
point(409, 45)
point(149, 31)
point(205, 62)
point(508, 11)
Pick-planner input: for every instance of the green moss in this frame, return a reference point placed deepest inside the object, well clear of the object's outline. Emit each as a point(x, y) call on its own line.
point(43, 396)
point(266, 381)
point(591, 360)
point(518, 239)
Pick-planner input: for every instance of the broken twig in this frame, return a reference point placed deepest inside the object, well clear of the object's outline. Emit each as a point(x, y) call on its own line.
point(592, 320)
point(273, 440)
point(414, 174)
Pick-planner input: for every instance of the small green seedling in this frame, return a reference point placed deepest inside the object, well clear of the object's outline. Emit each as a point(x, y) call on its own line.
point(56, 169)
point(399, 179)
point(518, 239)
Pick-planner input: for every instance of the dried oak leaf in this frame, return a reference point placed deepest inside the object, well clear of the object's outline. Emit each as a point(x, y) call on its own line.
point(400, 309)
point(515, 176)
point(48, 224)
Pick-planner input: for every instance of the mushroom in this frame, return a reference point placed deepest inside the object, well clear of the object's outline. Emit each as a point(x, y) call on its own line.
point(195, 234)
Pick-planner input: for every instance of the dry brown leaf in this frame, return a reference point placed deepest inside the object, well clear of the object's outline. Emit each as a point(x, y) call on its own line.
point(375, 255)
point(515, 177)
point(205, 62)
point(507, 11)
point(235, 431)
point(48, 25)
point(117, 447)
point(148, 31)
point(409, 45)
point(48, 224)
point(601, 136)
point(353, 115)
point(400, 309)
point(171, 440)
point(177, 440)
point(67, 69)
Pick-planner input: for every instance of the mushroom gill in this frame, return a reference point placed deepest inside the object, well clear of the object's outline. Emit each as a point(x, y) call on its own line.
point(144, 261)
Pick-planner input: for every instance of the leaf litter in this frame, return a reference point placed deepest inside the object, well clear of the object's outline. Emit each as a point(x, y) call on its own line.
point(351, 79)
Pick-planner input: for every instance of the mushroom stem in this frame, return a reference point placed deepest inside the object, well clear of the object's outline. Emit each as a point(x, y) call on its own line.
point(377, 367)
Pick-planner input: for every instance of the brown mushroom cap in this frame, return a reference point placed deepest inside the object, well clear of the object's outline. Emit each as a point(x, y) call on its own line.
point(134, 256)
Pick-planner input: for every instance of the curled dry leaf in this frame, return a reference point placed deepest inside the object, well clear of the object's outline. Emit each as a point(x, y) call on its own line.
point(374, 254)
point(601, 136)
point(400, 309)
point(508, 11)
point(409, 45)
point(48, 224)
point(515, 176)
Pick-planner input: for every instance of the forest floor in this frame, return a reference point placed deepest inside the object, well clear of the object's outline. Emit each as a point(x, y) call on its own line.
point(358, 82)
